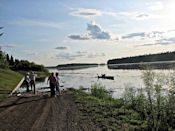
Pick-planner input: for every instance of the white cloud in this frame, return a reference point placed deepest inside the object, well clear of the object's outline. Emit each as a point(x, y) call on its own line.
point(138, 15)
point(155, 6)
point(78, 54)
point(149, 39)
point(155, 34)
point(144, 35)
point(134, 15)
point(82, 52)
point(31, 22)
point(70, 55)
point(95, 54)
point(163, 40)
point(166, 41)
point(86, 13)
point(79, 37)
point(7, 45)
point(62, 48)
point(144, 45)
point(128, 36)
point(94, 32)
point(89, 13)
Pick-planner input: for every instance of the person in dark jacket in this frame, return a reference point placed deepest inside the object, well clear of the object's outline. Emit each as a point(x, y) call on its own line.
point(52, 82)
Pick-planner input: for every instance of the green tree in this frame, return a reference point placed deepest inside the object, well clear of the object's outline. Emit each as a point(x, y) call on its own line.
point(8, 58)
point(11, 61)
point(3, 61)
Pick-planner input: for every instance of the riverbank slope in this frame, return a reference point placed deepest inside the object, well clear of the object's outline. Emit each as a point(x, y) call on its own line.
point(8, 81)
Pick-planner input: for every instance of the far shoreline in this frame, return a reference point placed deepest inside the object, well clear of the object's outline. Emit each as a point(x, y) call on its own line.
point(144, 65)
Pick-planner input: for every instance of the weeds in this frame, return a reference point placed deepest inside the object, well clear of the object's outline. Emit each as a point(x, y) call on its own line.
point(149, 108)
point(156, 105)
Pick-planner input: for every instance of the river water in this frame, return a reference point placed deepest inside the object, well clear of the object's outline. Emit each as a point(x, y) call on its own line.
point(88, 77)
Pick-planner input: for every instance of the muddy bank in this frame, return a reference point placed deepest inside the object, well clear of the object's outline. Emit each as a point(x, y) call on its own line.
point(40, 112)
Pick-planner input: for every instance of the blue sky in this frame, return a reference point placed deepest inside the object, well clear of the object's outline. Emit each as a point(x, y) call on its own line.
point(65, 31)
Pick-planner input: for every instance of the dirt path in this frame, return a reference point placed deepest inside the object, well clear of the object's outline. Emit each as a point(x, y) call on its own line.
point(40, 112)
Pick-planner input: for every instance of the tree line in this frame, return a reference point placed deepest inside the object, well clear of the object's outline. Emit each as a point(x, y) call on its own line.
point(7, 61)
point(167, 56)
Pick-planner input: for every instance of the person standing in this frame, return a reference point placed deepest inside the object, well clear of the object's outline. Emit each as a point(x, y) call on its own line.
point(58, 84)
point(27, 81)
point(32, 81)
point(52, 82)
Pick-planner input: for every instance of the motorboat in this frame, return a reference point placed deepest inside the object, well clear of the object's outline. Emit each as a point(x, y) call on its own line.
point(103, 76)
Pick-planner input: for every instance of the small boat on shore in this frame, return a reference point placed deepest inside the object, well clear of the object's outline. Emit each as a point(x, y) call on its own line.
point(103, 76)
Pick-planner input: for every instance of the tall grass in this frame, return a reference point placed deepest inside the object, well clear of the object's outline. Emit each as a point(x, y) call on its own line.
point(156, 104)
point(99, 91)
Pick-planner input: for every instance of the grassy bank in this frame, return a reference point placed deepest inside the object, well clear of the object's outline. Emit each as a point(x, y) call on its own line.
point(8, 81)
point(151, 108)
point(106, 112)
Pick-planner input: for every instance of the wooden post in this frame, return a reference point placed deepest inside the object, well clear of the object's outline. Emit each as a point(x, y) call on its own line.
point(19, 84)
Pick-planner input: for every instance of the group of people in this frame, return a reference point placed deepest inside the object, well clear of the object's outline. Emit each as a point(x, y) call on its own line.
point(30, 81)
point(54, 83)
point(53, 80)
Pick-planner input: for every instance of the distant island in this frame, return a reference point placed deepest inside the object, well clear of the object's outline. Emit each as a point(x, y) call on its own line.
point(156, 61)
point(74, 66)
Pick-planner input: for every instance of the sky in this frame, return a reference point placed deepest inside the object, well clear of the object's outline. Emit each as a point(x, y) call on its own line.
point(52, 32)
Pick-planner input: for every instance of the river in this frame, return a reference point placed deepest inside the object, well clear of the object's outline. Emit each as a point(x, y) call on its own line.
point(88, 77)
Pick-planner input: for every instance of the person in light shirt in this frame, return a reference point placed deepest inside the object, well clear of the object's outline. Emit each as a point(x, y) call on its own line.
point(32, 80)
point(27, 81)
point(58, 84)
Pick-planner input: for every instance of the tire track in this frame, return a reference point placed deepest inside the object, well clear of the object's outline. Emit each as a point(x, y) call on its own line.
point(40, 122)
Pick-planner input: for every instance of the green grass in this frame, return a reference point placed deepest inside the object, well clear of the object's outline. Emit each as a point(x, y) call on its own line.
point(106, 112)
point(8, 81)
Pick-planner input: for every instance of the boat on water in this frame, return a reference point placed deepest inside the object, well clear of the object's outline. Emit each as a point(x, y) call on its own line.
point(103, 76)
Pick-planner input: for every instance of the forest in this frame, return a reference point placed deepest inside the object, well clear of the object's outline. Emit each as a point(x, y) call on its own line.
point(10, 62)
point(167, 56)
